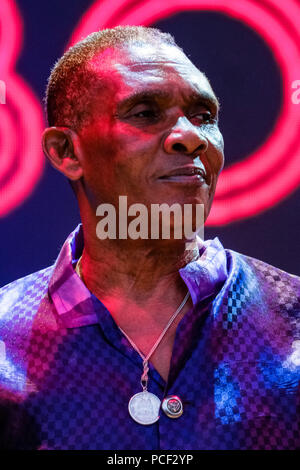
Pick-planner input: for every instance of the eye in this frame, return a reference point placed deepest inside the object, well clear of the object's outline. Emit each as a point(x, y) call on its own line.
point(146, 113)
point(205, 117)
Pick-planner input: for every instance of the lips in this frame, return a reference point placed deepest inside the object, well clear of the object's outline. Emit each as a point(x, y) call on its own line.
point(186, 173)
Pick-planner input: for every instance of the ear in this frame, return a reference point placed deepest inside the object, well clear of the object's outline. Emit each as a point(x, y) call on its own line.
point(62, 147)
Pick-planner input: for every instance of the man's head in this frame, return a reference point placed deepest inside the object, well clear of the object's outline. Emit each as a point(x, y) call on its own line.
point(74, 78)
point(134, 117)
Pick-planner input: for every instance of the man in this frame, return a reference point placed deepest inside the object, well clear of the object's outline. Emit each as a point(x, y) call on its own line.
point(147, 343)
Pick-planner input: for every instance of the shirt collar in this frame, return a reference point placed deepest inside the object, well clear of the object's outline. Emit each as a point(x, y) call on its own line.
point(74, 303)
point(205, 276)
point(76, 306)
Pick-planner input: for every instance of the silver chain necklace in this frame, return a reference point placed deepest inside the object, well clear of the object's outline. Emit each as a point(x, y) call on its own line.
point(144, 406)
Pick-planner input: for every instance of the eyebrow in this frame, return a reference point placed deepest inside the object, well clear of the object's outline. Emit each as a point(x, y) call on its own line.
point(154, 94)
point(145, 95)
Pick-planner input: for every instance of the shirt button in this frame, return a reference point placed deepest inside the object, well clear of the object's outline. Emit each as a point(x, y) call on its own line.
point(172, 406)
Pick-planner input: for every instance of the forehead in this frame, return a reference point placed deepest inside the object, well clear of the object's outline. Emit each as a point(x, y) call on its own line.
point(142, 67)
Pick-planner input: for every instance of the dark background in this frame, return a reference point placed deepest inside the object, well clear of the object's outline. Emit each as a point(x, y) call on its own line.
point(247, 81)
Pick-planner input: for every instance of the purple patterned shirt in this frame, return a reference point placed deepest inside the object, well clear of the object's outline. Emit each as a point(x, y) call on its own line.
point(67, 372)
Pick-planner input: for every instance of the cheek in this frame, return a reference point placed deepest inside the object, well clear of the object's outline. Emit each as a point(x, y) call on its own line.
point(115, 158)
point(99, 146)
point(134, 140)
point(216, 144)
point(135, 150)
point(98, 171)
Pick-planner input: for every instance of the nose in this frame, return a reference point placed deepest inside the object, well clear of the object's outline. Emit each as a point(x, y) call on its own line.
point(185, 138)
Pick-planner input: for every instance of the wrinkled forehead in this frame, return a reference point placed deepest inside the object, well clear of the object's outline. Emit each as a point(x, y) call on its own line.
point(135, 53)
point(137, 64)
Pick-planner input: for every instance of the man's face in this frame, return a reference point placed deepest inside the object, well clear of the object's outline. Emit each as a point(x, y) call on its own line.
point(153, 135)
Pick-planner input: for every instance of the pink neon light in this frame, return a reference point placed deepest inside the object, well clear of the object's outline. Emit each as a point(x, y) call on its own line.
point(21, 127)
point(262, 173)
point(11, 33)
point(8, 146)
point(264, 195)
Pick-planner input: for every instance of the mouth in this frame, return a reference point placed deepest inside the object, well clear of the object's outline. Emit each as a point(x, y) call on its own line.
point(187, 174)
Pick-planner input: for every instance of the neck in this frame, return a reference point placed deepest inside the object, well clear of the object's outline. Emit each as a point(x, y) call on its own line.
point(136, 279)
point(139, 283)
point(134, 266)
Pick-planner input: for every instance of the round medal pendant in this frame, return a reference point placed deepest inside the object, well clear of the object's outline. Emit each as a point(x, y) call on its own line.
point(144, 407)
